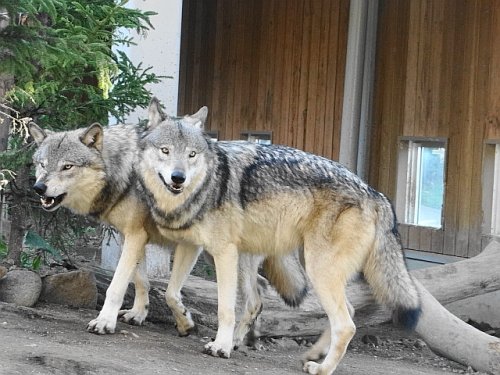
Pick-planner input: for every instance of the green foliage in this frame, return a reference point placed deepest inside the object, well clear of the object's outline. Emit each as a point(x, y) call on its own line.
point(36, 251)
point(67, 75)
point(3, 248)
point(35, 242)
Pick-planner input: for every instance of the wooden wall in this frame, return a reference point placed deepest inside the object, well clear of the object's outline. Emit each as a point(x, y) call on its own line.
point(438, 75)
point(267, 65)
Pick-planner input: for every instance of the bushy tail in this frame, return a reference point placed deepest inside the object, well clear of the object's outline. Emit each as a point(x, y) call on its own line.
point(287, 275)
point(386, 272)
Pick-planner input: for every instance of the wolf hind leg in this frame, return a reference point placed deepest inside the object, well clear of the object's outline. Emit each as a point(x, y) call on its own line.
point(185, 257)
point(139, 311)
point(331, 257)
point(321, 346)
point(248, 266)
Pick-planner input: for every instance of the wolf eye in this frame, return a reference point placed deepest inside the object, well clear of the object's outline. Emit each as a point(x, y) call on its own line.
point(192, 154)
point(165, 150)
point(42, 165)
point(67, 167)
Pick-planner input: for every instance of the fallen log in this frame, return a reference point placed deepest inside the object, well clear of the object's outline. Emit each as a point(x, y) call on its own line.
point(452, 338)
point(447, 283)
point(442, 331)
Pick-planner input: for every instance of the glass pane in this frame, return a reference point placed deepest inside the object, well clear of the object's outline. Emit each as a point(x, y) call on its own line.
point(495, 206)
point(429, 187)
point(263, 139)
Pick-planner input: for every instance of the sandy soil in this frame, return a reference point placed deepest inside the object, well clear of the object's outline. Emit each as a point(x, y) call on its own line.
point(51, 339)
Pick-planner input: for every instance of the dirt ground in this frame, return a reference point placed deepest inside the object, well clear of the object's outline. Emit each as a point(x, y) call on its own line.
point(51, 339)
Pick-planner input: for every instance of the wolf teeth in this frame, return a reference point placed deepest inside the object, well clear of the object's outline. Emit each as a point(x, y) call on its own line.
point(47, 201)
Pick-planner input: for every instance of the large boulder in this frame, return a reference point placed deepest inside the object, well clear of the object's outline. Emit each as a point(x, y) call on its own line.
point(21, 287)
point(75, 288)
point(3, 271)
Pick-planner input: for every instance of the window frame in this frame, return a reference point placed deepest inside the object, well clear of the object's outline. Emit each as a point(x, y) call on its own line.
point(406, 189)
point(213, 134)
point(491, 188)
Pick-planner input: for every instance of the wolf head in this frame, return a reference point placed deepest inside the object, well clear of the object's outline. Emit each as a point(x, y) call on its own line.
point(69, 167)
point(174, 151)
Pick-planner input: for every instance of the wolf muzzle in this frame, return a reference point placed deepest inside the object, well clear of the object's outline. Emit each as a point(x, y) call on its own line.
point(40, 188)
point(48, 203)
point(178, 177)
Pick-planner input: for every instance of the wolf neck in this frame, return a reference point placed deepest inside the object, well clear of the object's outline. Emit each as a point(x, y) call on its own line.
point(175, 212)
point(119, 154)
point(179, 212)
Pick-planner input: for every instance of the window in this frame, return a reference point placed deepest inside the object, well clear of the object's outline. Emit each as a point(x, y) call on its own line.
point(420, 182)
point(264, 138)
point(491, 189)
point(213, 135)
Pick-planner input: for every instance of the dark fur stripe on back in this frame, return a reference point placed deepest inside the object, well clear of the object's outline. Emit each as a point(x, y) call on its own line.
point(223, 174)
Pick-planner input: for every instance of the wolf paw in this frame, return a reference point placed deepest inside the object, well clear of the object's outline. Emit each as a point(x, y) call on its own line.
point(101, 326)
point(133, 317)
point(312, 368)
point(184, 324)
point(217, 350)
point(313, 355)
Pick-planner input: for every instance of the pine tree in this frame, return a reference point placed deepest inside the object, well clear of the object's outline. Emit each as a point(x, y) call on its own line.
point(66, 74)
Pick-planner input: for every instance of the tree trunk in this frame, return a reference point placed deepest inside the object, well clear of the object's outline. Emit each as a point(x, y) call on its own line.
point(5, 84)
point(19, 216)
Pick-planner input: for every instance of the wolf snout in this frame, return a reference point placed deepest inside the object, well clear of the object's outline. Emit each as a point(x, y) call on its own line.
point(40, 188)
point(178, 177)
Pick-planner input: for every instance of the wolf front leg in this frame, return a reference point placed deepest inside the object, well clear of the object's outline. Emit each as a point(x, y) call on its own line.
point(185, 257)
point(226, 266)
point(132, 255)
point(139, 311)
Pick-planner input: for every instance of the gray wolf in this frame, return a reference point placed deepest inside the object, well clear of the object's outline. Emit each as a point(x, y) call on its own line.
point(237, 196)
point(90, 171)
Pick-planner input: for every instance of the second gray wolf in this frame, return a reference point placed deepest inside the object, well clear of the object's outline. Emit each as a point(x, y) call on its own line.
point(91, 172)
point(237, 196)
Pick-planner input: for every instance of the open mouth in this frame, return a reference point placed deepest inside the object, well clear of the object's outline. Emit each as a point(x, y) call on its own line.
point(173, 187)
point(51, 203)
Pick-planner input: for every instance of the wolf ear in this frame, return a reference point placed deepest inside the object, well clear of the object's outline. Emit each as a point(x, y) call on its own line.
point(93, 136)
point(198, 119)
point(155, 113)
point(36, 133)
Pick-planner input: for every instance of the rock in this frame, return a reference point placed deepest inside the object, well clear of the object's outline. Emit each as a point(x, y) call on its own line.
point(21, 287)
point(370, 339)
point(75, 288)
point(420, 344)
point(287, 343)
point(3, 271)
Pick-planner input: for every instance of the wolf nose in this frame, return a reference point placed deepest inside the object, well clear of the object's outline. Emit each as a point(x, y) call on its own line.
point(178, 177)
point(40, 188)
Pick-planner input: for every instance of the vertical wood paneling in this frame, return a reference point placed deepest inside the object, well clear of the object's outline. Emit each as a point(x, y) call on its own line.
point(485, 47)
point(285, 129)
point(313, 76)
point(493, 110)
point(451, 89)
point(267, 65)
point(389, 104)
